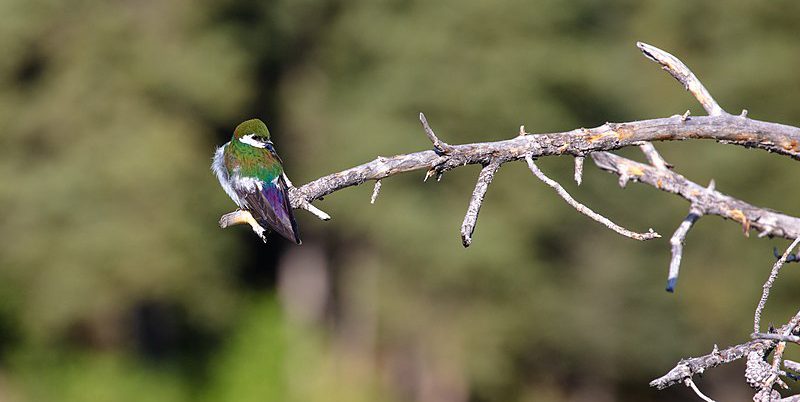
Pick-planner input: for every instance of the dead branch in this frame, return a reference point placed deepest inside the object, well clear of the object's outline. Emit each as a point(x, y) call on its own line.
point(484, 180)
point(759, 374)
point(768, 285)
point(438, 145)
point(650, 234)
point(676, 241)
point(712, 202)
point(778, 337)
point(772, 137)
point(375, 191)
point(687, 368)
point(653, 156)
point(579, 169)
point(677, 69)
point(719, 126)
point(691, 384)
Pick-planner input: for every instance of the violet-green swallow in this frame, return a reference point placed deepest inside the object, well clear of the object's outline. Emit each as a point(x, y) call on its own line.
point(251, 173)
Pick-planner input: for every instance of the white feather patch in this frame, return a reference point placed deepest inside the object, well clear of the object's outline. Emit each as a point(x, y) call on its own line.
point(249, 184)
point(250, 139)
point(218, 166)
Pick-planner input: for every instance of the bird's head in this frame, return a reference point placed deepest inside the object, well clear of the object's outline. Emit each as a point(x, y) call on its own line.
point(253, 129)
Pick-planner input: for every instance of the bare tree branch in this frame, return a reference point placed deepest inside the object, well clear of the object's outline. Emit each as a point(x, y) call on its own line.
point(303, 204)
point(791, 365)
point(579, 169)
point(687, 368)
point(773, 137)
point(759, 374)
point(777, 357)
point(778, 337)
point(719, 126)
point(653, 156)
point(691, 384)
point(375, 191)
point(438, 145)
point(484, 179)
point(650, 234)
point(712, 202)
point(768, 285)
point(677, 69)
point(676, 241)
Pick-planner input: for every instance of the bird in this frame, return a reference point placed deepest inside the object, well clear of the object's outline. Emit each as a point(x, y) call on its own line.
point(251, 173)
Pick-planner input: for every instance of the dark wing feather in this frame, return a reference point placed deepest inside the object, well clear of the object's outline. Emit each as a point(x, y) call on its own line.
point(271, 208)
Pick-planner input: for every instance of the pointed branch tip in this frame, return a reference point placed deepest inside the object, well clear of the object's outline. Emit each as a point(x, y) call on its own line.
point(375, 191)
point(316, 211)
point(471, 218)
point(768, 284)
point(650, 234)
point(438, 145)
point(579, 169)
point(676, 242)
point(684, 75)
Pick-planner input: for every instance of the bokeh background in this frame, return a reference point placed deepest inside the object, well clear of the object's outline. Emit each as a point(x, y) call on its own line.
point(117, 285)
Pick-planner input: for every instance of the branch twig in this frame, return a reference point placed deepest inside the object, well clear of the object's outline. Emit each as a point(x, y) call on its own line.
point(777, 357)
point(653, 156)
point(579, 169)
point(375, 191)
point(768, 285)
point(791, 364)
point(691, 384)
point(677, 69)
point(484, 179)
point(676, 241)
point(438, 145)
point(777, 337)
point(650, 234)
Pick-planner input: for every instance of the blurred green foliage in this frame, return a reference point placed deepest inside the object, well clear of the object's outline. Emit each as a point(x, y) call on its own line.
point(116, 285)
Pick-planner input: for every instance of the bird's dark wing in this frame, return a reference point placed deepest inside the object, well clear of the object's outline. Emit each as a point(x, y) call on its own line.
point(269, 204)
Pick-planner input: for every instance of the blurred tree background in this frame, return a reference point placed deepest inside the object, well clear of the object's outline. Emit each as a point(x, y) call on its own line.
point(117, 285)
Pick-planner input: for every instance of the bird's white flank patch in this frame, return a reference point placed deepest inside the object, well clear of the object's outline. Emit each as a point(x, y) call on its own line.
point(218, 166)
point(249, 184)
point(250, 139)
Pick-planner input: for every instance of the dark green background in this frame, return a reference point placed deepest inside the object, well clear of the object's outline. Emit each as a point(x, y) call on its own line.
point(117, 285)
